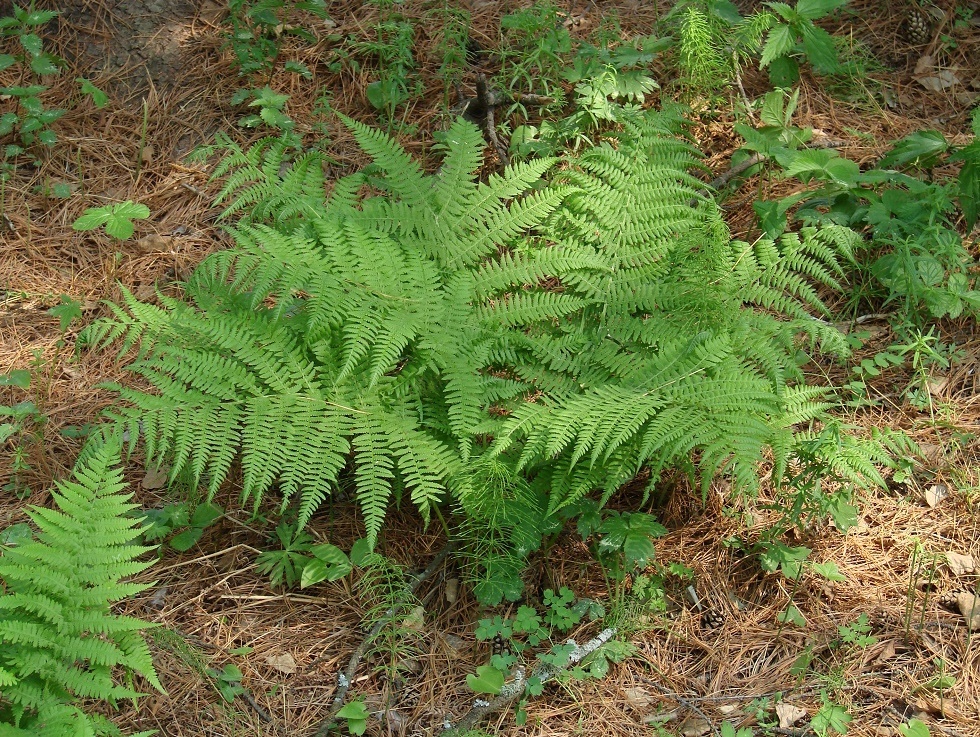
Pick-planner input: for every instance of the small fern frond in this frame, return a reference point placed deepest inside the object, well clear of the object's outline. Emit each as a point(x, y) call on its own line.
point(59, 639)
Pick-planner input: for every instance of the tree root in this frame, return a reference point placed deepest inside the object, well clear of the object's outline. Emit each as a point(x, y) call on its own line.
point(480, 110)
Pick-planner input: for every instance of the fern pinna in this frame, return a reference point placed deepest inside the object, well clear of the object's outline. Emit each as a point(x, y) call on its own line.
point(59, 640)
point(562, 324)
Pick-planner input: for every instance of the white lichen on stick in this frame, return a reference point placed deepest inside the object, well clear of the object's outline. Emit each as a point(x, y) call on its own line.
point(543, 672)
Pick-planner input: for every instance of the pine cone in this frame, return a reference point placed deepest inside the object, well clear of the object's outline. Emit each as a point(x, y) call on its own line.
point(950, 600)
point(917, 27)
point(712, 619)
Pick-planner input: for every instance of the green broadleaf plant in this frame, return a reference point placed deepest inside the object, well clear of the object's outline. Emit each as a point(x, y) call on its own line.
point(117, 218)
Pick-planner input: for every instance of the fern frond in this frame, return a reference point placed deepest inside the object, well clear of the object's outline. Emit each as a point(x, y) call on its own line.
point(58, 638)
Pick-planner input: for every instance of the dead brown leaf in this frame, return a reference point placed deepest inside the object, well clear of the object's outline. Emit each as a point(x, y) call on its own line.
point(959, 564)
point(887, 652)
point(969, 606)
point(789, 714)
point(284, 663)
point(639, 698)
point(694, 727)
point(155, 478)
point(153, 244)
point(935, 494)
point(452, 590)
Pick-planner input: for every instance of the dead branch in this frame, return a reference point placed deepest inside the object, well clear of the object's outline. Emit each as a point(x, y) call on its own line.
point(512, 690)
point(480, 110)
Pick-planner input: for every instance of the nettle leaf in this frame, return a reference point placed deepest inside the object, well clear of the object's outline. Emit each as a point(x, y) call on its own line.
point(487, 680)
point(814, 9)
point(38, 17)
point(297, 67)
point(818, 45)
point(780, 42)
point(32, 43)
point(44, 64)
point(784, 72)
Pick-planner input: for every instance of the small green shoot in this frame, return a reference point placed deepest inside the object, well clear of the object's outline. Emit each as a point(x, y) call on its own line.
point(356, 715)
point(117, 218)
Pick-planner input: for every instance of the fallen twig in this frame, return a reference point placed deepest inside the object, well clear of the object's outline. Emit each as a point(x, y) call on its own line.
point(512, 690)
point(345, 679)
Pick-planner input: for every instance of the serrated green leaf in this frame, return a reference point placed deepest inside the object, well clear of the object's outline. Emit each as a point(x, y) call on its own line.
point(784, 72)
point(820, 50)
point(21, 378)
point(779, 43)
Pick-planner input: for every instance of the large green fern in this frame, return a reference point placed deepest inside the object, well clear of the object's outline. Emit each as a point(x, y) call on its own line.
point(569, 321)
point(59, 640)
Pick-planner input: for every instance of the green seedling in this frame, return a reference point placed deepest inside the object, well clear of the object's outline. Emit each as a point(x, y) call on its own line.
point(116, 218)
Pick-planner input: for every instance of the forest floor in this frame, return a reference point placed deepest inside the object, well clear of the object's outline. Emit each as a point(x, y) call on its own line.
point(170, 80)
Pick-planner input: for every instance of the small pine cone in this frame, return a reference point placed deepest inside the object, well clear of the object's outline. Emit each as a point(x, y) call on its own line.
point(949, 599)
point(500, 646)
point(712, 619)
point(917, 27)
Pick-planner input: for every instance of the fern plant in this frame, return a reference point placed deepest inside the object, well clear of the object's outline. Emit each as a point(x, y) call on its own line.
point(510, 345)
point(59, 640)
